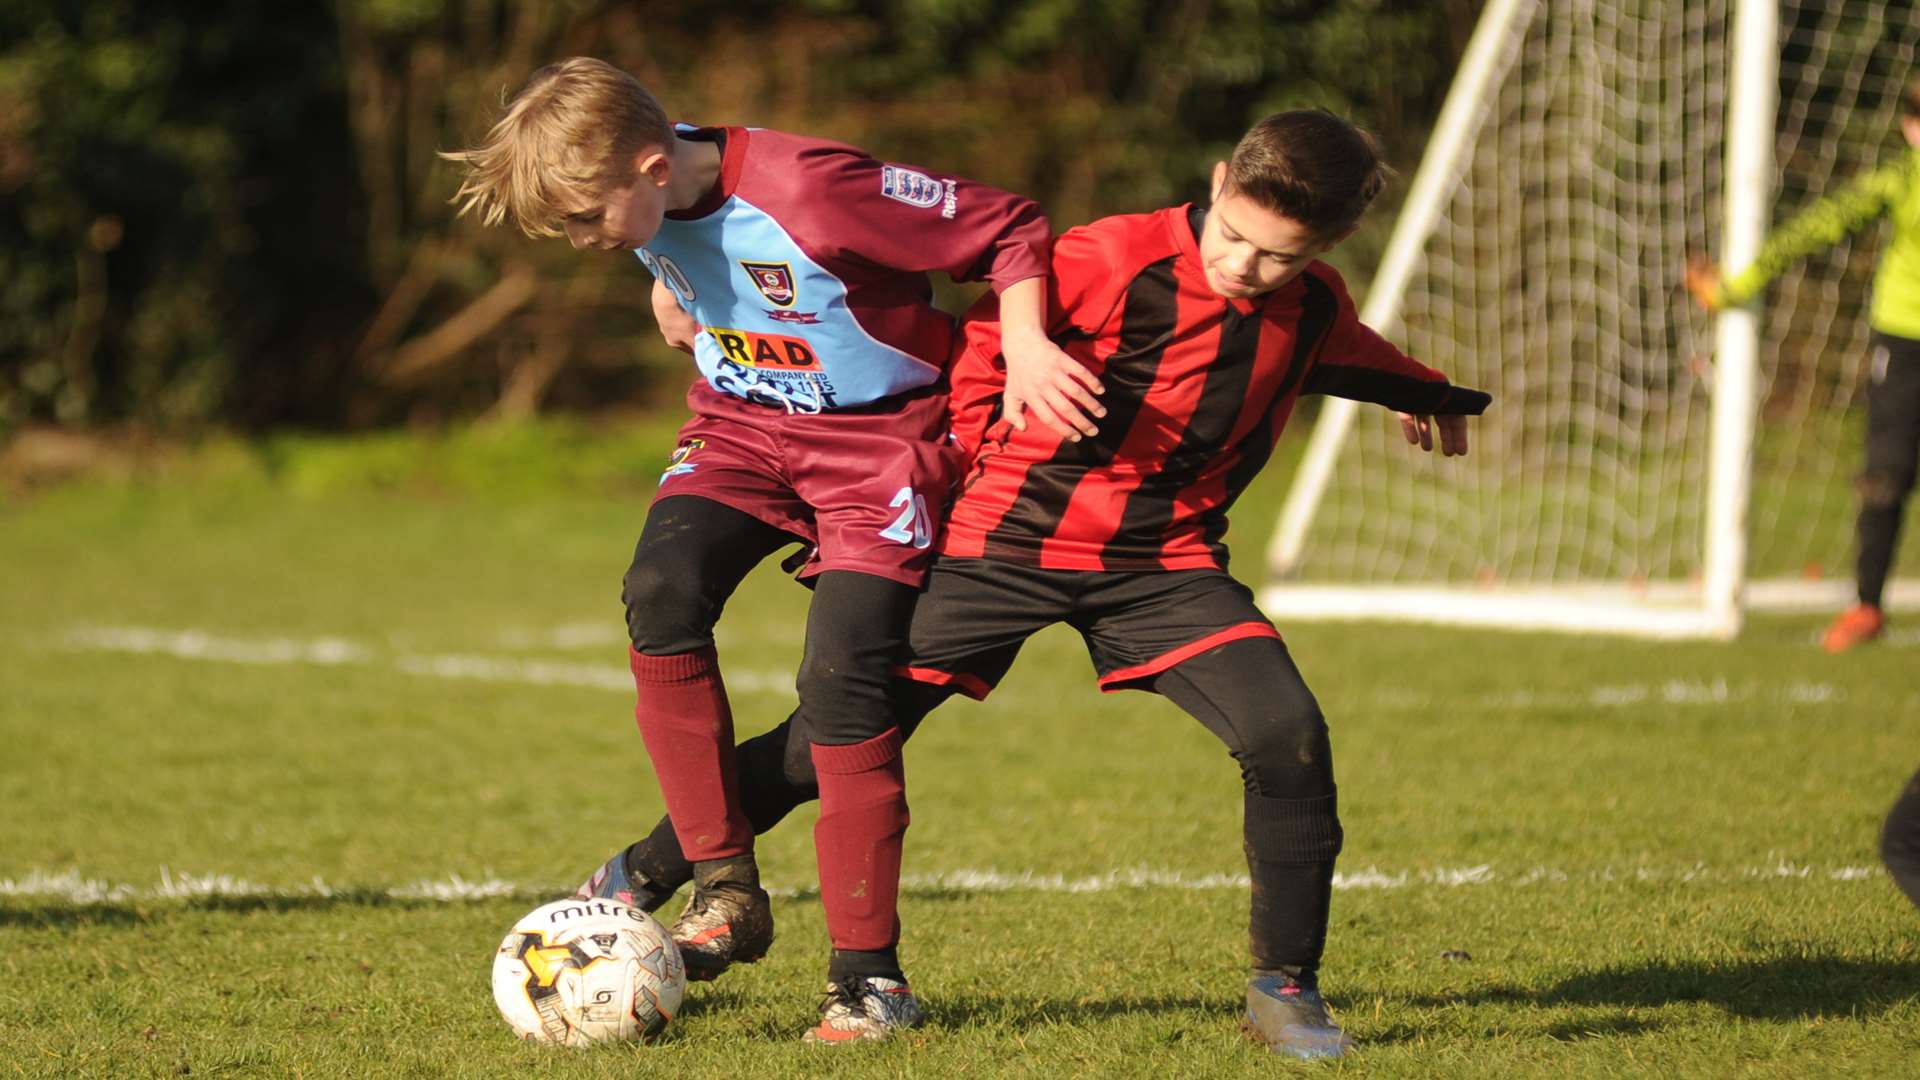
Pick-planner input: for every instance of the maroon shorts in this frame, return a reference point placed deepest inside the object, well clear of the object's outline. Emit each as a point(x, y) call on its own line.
point(867, 487)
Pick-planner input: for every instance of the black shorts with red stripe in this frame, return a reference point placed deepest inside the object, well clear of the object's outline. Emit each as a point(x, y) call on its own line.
point(976, 613)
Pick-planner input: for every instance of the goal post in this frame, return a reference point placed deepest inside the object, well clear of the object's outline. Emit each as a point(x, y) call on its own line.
point(1645, 468)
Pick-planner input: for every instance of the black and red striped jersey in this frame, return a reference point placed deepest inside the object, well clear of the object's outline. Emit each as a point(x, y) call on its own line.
point(1198, 388)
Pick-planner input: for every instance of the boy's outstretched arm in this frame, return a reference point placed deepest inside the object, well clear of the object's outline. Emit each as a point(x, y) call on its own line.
point(1359, 364)
point(1859, 203)
point(1041, 378)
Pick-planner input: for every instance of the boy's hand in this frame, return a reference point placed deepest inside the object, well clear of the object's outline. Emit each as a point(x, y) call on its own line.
point(1419, 432)
point(676, 325)
point(1054, 386)
point(1703, 281)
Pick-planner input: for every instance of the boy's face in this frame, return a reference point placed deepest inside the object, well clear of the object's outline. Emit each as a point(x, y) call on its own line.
point(624, 218)
point(1910, 127)
point(1247, 249)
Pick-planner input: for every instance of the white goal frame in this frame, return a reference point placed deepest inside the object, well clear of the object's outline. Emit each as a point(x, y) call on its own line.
point(1713, 605)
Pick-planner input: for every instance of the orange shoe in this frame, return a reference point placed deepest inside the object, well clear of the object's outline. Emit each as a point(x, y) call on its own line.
point(1857, 625)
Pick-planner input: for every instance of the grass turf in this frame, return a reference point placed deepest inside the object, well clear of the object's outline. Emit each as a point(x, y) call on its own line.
point(277, 696)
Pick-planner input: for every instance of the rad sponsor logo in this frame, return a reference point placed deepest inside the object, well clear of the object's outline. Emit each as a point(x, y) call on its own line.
point(773, 279)
point(911, 187)
point(767, 352)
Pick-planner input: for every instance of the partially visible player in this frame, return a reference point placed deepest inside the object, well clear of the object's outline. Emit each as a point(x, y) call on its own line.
point(793, 269)
point(1900, 840)
point(1893, 395)
point(1206, 326)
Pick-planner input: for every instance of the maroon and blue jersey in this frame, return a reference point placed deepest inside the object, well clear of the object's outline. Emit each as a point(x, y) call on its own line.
point(1198, 388)
point(805, 267)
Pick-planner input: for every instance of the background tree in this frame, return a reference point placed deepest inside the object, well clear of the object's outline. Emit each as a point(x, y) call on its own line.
point(216, 213)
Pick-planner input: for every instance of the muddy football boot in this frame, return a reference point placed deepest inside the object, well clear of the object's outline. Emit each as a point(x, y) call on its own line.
point(728, 921)
point(1291, 1018)
point(865, 1007)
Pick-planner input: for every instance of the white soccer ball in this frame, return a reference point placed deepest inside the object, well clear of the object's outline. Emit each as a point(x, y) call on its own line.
point(577, 972)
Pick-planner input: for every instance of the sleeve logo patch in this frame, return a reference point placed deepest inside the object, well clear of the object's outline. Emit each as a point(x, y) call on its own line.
point(910, 187)
point(768, 352)
point(773, 279)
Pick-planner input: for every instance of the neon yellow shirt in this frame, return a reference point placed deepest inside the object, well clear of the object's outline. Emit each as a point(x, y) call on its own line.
point(1892, 189)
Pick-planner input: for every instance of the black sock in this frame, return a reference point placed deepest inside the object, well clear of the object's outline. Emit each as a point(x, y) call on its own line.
point(878, 964)
point(1291, 845)
point(659, 861)
point(1879, 534)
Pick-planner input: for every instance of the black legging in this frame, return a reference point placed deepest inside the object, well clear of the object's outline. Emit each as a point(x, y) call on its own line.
point(1893, 445)
point(694, 552)
point(1247, 692)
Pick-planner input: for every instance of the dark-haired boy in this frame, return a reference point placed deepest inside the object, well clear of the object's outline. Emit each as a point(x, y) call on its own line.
point(1205, 327)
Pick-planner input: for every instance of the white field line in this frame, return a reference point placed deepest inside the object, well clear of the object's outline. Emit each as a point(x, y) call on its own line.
point(526, 670)
point(1673, 692)
point(70, 887)
point(518, 667)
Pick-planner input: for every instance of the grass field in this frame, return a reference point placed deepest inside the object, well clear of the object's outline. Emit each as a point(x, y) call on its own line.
point(292, 736)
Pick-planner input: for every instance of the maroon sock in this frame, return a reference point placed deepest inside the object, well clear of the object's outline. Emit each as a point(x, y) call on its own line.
point(863, 819)
point(681, 707)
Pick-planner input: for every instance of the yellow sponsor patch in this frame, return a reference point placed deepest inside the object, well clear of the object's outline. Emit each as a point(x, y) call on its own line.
point(772, 352)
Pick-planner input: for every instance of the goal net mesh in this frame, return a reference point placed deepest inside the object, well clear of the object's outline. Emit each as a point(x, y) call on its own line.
point(1553, 279)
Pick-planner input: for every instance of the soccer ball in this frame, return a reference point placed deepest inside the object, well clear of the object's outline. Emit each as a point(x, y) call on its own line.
point(577, 972)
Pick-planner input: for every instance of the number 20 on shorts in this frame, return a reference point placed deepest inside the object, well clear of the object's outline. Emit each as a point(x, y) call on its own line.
point(913, 526)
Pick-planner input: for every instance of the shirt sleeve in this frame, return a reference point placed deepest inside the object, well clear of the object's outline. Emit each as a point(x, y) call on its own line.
point(905, 218)
point(1357, 363)
point(1821, 225)
point(1088, 278)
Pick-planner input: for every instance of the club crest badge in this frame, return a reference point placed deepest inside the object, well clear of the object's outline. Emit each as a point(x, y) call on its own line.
point(774, 280)
point(679, 464)
point(910, 187)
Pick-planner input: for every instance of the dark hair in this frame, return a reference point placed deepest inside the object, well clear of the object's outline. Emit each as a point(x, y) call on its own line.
point(1311, 166)
point(1910, 101)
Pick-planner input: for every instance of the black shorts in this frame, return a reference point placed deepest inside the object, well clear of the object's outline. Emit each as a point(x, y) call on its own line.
point(976, 613)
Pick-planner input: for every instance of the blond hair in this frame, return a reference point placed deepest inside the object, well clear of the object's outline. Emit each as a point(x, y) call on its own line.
point(1311, 166)
point(567, 139)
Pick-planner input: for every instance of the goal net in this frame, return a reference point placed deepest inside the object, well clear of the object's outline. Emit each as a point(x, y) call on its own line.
point(1645, 468)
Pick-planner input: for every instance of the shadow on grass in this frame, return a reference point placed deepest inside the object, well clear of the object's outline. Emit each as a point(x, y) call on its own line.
point(962, 1011)
point(1783, 988)
point(61, 918)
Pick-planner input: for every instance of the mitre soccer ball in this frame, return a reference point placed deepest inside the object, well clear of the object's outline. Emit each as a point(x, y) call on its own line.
point(577, 972)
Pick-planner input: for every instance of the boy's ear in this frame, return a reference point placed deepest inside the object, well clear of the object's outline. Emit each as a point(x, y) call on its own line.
point(654, 164)
point(1219, 183)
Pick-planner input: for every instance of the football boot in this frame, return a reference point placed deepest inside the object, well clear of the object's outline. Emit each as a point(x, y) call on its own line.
point(728, 921)
point(1290, 1017)
point(867, 1007)
point(1857, 625)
